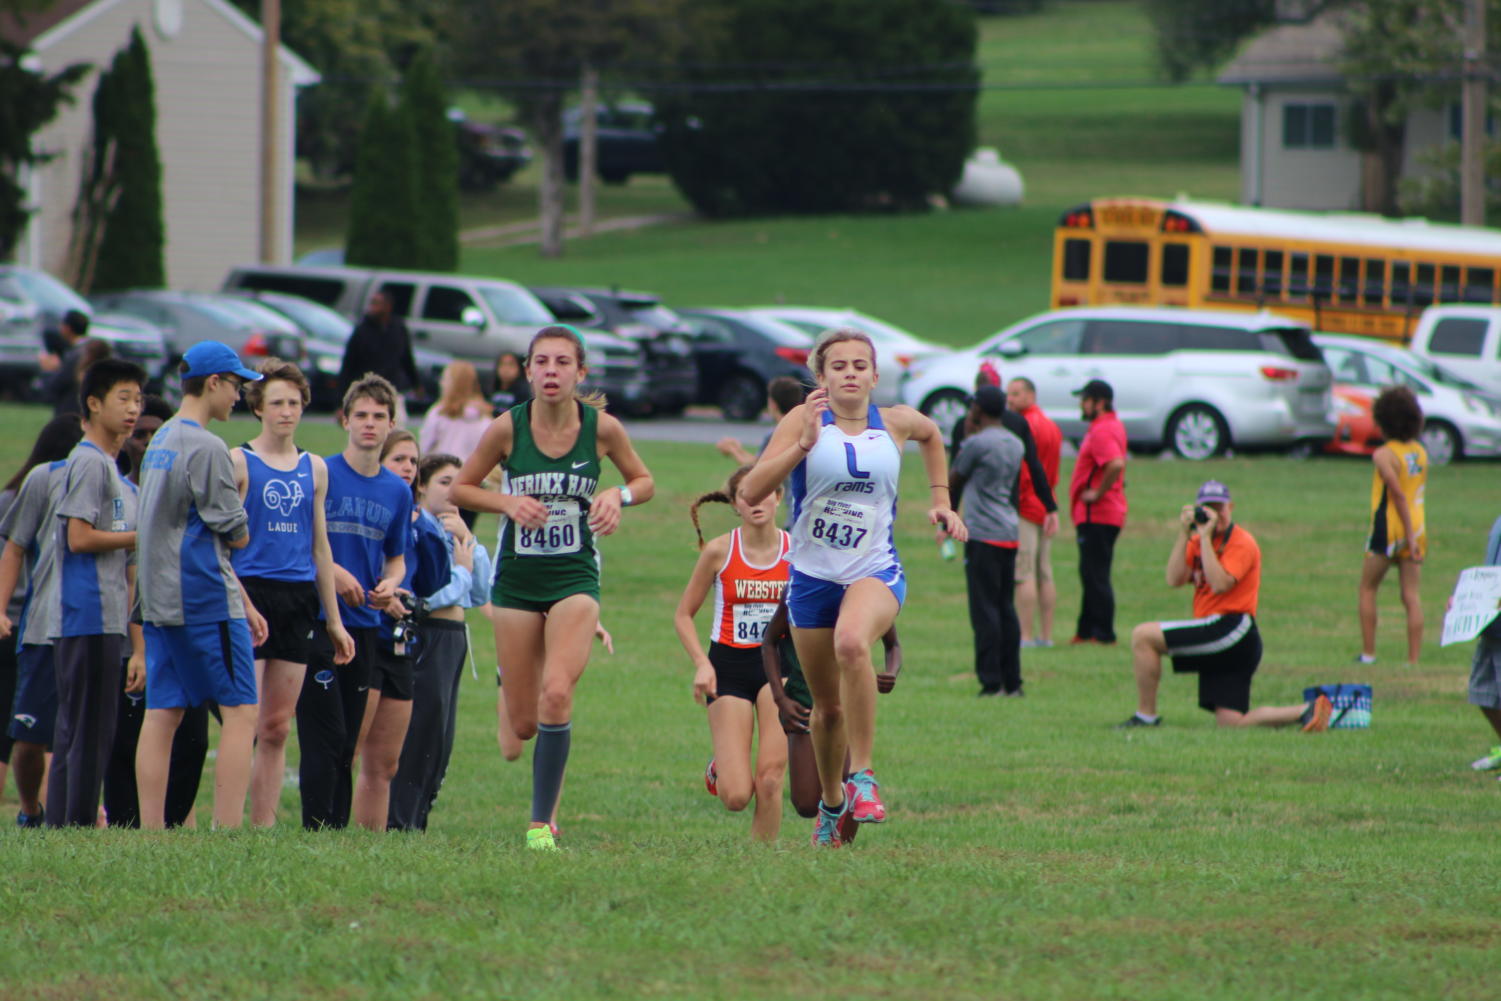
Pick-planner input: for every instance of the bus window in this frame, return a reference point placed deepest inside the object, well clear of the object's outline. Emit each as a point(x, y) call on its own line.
point(1480, 285)
point(1375, 282)
point(1174, 265)
point(1448, 284)
point(1245, 276)
point(1349, 278)
point(1297, 278)
point(1076, 260)
point(1219, 275)
point(1422, 289)
point(1323, 276)
point(1401, 284)
point(1126, 262)
point(1271, 273)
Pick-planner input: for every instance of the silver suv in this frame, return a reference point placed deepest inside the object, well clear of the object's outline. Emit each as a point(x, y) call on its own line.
point(1194, 381)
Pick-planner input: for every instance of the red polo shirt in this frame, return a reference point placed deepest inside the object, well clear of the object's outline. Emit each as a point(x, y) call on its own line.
point(1049, 444)
point(1104, 442)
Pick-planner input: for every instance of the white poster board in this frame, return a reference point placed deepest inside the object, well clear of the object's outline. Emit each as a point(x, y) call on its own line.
point(1477, 599)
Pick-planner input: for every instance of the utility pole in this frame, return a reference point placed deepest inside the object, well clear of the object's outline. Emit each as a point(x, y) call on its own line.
point(1472, 117)
point(588, 157)
point(270, 130)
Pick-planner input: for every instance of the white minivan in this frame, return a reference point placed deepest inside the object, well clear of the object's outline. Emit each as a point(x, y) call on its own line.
point(1466, 339)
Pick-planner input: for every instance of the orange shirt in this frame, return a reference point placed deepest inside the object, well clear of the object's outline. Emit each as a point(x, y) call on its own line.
point(1241, 558)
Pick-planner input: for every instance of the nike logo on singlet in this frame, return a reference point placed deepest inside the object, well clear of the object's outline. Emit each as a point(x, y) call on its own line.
point(581, 465)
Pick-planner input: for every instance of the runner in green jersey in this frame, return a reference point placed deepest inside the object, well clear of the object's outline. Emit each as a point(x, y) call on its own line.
point(547, 598)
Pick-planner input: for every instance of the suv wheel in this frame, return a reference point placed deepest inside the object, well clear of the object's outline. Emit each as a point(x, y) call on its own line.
point(1442, 443)
point(947, 408)
point(742, 397)
point(1197, 432)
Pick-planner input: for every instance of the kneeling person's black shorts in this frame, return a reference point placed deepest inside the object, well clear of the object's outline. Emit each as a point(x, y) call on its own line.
point(737, 672)
point(291, 610)
point(1223, 650)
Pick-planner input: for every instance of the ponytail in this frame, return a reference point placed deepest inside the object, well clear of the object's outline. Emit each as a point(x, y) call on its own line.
point(713, 497)
point(725, 496)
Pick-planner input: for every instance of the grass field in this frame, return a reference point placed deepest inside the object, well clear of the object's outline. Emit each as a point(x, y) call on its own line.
point(1032, 852)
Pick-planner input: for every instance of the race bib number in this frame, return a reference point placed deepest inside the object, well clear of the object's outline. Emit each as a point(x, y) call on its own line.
point(561, 534)
point(750, 621)
point(842, 525)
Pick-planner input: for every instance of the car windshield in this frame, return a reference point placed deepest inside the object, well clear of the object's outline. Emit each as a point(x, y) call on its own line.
point(319, 321)
point(251, 314)
point(652, 313)
point(1417, 365)
point(778, 332)
point(515, 306)
point(49, 293)
point(818, 321)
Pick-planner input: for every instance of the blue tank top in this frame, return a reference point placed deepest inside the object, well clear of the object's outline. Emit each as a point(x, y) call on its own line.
point(280, 506)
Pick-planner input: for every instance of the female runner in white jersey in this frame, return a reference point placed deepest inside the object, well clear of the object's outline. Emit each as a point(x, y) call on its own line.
point(843, 458)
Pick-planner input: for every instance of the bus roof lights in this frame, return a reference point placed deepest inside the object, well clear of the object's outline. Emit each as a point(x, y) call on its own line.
point(1081, 217)
point(1177, 222)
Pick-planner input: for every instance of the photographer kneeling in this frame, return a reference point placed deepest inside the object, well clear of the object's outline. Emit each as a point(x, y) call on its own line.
point(1220, 643)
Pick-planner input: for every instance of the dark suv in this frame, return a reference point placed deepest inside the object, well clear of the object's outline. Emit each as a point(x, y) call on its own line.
point(627, 137)
point(667, 342)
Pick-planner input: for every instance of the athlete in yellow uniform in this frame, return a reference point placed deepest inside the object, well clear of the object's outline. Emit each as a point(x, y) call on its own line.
point(1397, 535)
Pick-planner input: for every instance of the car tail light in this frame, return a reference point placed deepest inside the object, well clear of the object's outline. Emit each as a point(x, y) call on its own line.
point(1276, 373)
point(256, 346)
point(904, 360)
point(798, 356)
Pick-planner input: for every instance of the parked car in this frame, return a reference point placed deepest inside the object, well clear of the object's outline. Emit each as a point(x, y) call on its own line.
point(1195, 381)
point(1464, 338)
point(488, 154)
point(1355, 430)
point(739, 353)
point(326, 333)
point(185, 318)
point(461, 315)
point(896, 349)
point(1460, 419)
point(628, 138)
point(666, 341)
point(32, 305)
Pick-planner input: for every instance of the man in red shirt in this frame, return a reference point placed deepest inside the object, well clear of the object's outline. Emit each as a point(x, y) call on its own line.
point(1220, 643)
point(1036, 595)
point(1097, 498)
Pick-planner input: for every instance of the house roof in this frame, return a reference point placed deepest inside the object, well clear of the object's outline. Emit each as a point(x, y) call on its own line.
point(22, 28)
point(1291, 54)
point(60, 18)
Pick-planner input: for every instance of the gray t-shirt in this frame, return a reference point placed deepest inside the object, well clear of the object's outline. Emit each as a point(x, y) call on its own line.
point(18, 595)
point(990, 462)
point(190, 507)
point(92, 586)
point(28, 523)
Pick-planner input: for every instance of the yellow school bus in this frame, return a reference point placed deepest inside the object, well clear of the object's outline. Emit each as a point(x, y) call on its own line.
point(1340, 272)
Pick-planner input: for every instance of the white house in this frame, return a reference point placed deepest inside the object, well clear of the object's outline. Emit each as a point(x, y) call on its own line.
point(206, 63)
point(1295, 148)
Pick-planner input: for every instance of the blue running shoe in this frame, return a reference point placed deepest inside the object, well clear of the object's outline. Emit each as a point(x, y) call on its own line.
point(826, 826)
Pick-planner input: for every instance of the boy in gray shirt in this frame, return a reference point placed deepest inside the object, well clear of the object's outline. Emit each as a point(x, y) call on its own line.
point(200, 631)
point(95, 533)
point(984, 479)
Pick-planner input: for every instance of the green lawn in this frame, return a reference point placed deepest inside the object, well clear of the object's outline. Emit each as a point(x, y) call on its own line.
point(1033, 852)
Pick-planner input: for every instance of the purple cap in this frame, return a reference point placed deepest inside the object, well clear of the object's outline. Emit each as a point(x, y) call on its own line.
point(1214, 492)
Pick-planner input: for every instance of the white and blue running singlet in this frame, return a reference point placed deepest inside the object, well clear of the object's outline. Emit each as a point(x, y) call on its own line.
point(280, 505)
point(844, 502)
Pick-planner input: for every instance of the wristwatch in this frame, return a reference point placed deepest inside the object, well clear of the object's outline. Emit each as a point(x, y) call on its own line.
point(625, 497)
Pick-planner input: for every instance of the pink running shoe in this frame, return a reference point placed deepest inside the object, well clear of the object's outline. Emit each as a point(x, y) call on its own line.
point(862, 792)
point(711, 779)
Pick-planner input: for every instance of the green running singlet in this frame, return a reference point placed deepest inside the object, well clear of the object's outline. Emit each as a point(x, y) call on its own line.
point(543, 566)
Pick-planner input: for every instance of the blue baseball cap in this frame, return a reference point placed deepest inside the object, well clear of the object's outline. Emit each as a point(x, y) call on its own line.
point(1214, 492)
point(214, 358)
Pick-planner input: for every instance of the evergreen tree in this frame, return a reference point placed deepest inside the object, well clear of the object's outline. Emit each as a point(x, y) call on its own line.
point(383, 229)
point(437, 194)
point(131, 237)
point(28, 101)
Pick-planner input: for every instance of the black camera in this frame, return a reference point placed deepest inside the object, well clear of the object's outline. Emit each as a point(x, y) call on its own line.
point(405, 630)
point(1201, 515)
